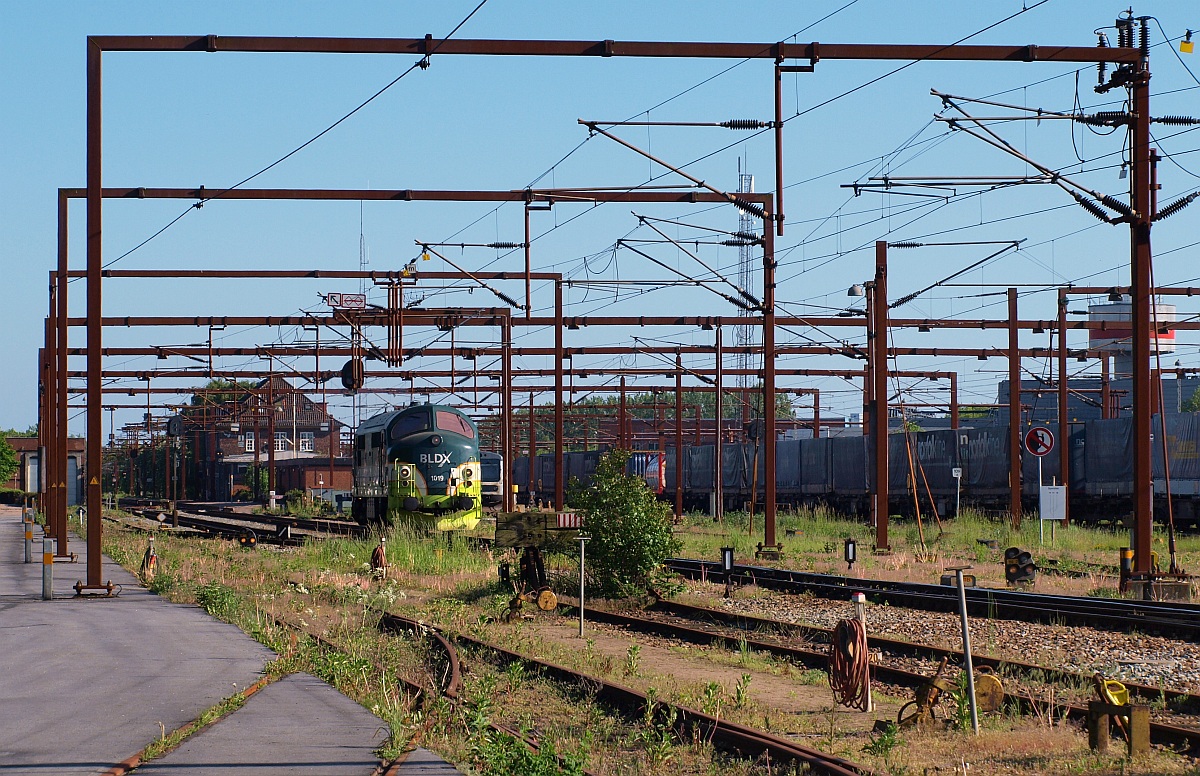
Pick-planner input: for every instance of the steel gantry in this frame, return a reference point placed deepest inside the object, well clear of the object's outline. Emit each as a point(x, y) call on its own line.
point(1134, 60)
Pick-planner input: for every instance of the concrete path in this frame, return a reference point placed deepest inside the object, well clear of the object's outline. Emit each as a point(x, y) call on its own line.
point(87, 682)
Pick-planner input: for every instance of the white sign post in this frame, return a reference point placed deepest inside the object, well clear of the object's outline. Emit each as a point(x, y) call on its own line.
point(1052, 499)
point(956, 473)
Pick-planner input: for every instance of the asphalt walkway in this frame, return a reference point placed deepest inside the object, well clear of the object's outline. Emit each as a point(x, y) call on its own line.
point(87, 682)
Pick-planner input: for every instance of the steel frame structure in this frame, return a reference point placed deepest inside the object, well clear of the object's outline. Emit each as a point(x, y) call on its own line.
point(778, 52)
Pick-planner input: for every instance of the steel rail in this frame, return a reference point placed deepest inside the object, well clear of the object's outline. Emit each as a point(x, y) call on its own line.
point(722, 733)
point(1160, 733)
point(1178, 621)
point(907, 648)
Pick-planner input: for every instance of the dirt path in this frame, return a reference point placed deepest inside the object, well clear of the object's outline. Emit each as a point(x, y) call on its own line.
point(784, 698)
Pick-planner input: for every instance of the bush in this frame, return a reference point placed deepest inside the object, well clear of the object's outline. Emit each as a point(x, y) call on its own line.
point(14, 496)
point(218, 600)
point(630, 528)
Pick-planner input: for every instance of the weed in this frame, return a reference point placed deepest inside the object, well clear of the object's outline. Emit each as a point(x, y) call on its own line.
point(218, 600)
point(656, 735)
point(515, 671)
point(961, 719)
point(740, 692)
point(631, 659)
point(744, 651)
point(500, 754)
point(710, 702)
point(813, 676)
point(882, 745)
point(162, 583)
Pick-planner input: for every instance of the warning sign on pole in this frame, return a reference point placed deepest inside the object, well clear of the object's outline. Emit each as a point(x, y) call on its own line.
point(1039, 440)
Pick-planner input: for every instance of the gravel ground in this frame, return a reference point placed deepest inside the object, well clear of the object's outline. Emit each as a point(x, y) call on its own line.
point(1149, 660)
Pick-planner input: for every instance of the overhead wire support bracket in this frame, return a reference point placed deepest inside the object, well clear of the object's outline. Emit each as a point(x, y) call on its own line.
point(743, 292)
point(1066, 184)
point(739, 124)
point(737, 202)
point(499, 294)
point(693, 281)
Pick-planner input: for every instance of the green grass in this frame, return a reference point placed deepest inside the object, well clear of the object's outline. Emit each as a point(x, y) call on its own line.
point(821, 532)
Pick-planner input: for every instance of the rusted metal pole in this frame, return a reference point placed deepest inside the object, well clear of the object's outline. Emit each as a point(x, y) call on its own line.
point(719, 445)
point(877, 352)
point(1140, 288)
point(559, 490)
point(678, 437)
point(271, 437)
point(1106, 410)
point(954, 400)
point(44, 427)
point(1064, 417)
point(528, 265)
point(768, 334)
point(622, 430)
point(778, 148)
point(533, 462)
point(95, 357)
point(816, 423)
point(58, 368)
point(1014, 414)
point(48, 435)
point(506, 416)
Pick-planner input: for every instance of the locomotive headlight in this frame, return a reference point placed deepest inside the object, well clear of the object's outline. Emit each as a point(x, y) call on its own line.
point(467, 473)
point(405, 472)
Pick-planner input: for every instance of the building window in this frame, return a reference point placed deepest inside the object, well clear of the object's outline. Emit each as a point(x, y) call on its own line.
point(281, 441)
point(249, 441)
point(306, 441)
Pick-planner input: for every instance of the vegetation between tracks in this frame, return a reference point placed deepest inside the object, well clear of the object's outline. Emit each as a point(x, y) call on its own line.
point(327, 588)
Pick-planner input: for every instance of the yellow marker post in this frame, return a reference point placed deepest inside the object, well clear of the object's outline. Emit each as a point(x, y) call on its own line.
point(47, 569)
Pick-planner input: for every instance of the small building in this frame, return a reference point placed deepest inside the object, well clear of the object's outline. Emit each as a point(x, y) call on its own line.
point(28, 474)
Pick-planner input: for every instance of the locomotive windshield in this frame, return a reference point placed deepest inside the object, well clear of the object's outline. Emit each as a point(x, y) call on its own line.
point(412, 423)
point(457, 424)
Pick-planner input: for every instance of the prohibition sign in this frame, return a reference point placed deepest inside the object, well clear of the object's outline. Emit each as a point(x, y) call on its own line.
point(1039, 440)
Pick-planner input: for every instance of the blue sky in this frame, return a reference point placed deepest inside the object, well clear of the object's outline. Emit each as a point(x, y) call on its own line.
point(181, 120)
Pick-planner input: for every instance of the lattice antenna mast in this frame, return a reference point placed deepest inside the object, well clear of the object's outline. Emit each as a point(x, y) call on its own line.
point(363, 259)
point(746, 334)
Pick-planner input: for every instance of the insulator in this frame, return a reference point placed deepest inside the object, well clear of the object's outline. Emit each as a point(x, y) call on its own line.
point(751, 236)
point(1176, 206)
point(1101, 66)
point(905, 245)
point(512, 302)
point(744, 124)
point(506, 245)
point(1144, 43)
point(1117, 205)
point(1178, 121)
point(749, 207)
point(1104, 118)
point(738, 243)
point(1124, 33)
point(1091, 207)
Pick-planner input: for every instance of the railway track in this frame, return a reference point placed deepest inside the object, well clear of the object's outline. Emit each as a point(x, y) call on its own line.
point(253, 529)
point(1174, 620)
point(738, 739)
point(449, 683)
point(686, 625)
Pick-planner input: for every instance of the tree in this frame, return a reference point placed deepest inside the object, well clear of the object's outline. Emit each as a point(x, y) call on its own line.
point(630, 528)
point(218, 391)
point(1193, 403)
point(32, 431)
point(8, 460)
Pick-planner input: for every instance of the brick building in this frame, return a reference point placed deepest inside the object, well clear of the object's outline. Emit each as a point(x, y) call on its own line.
point(272, 421)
